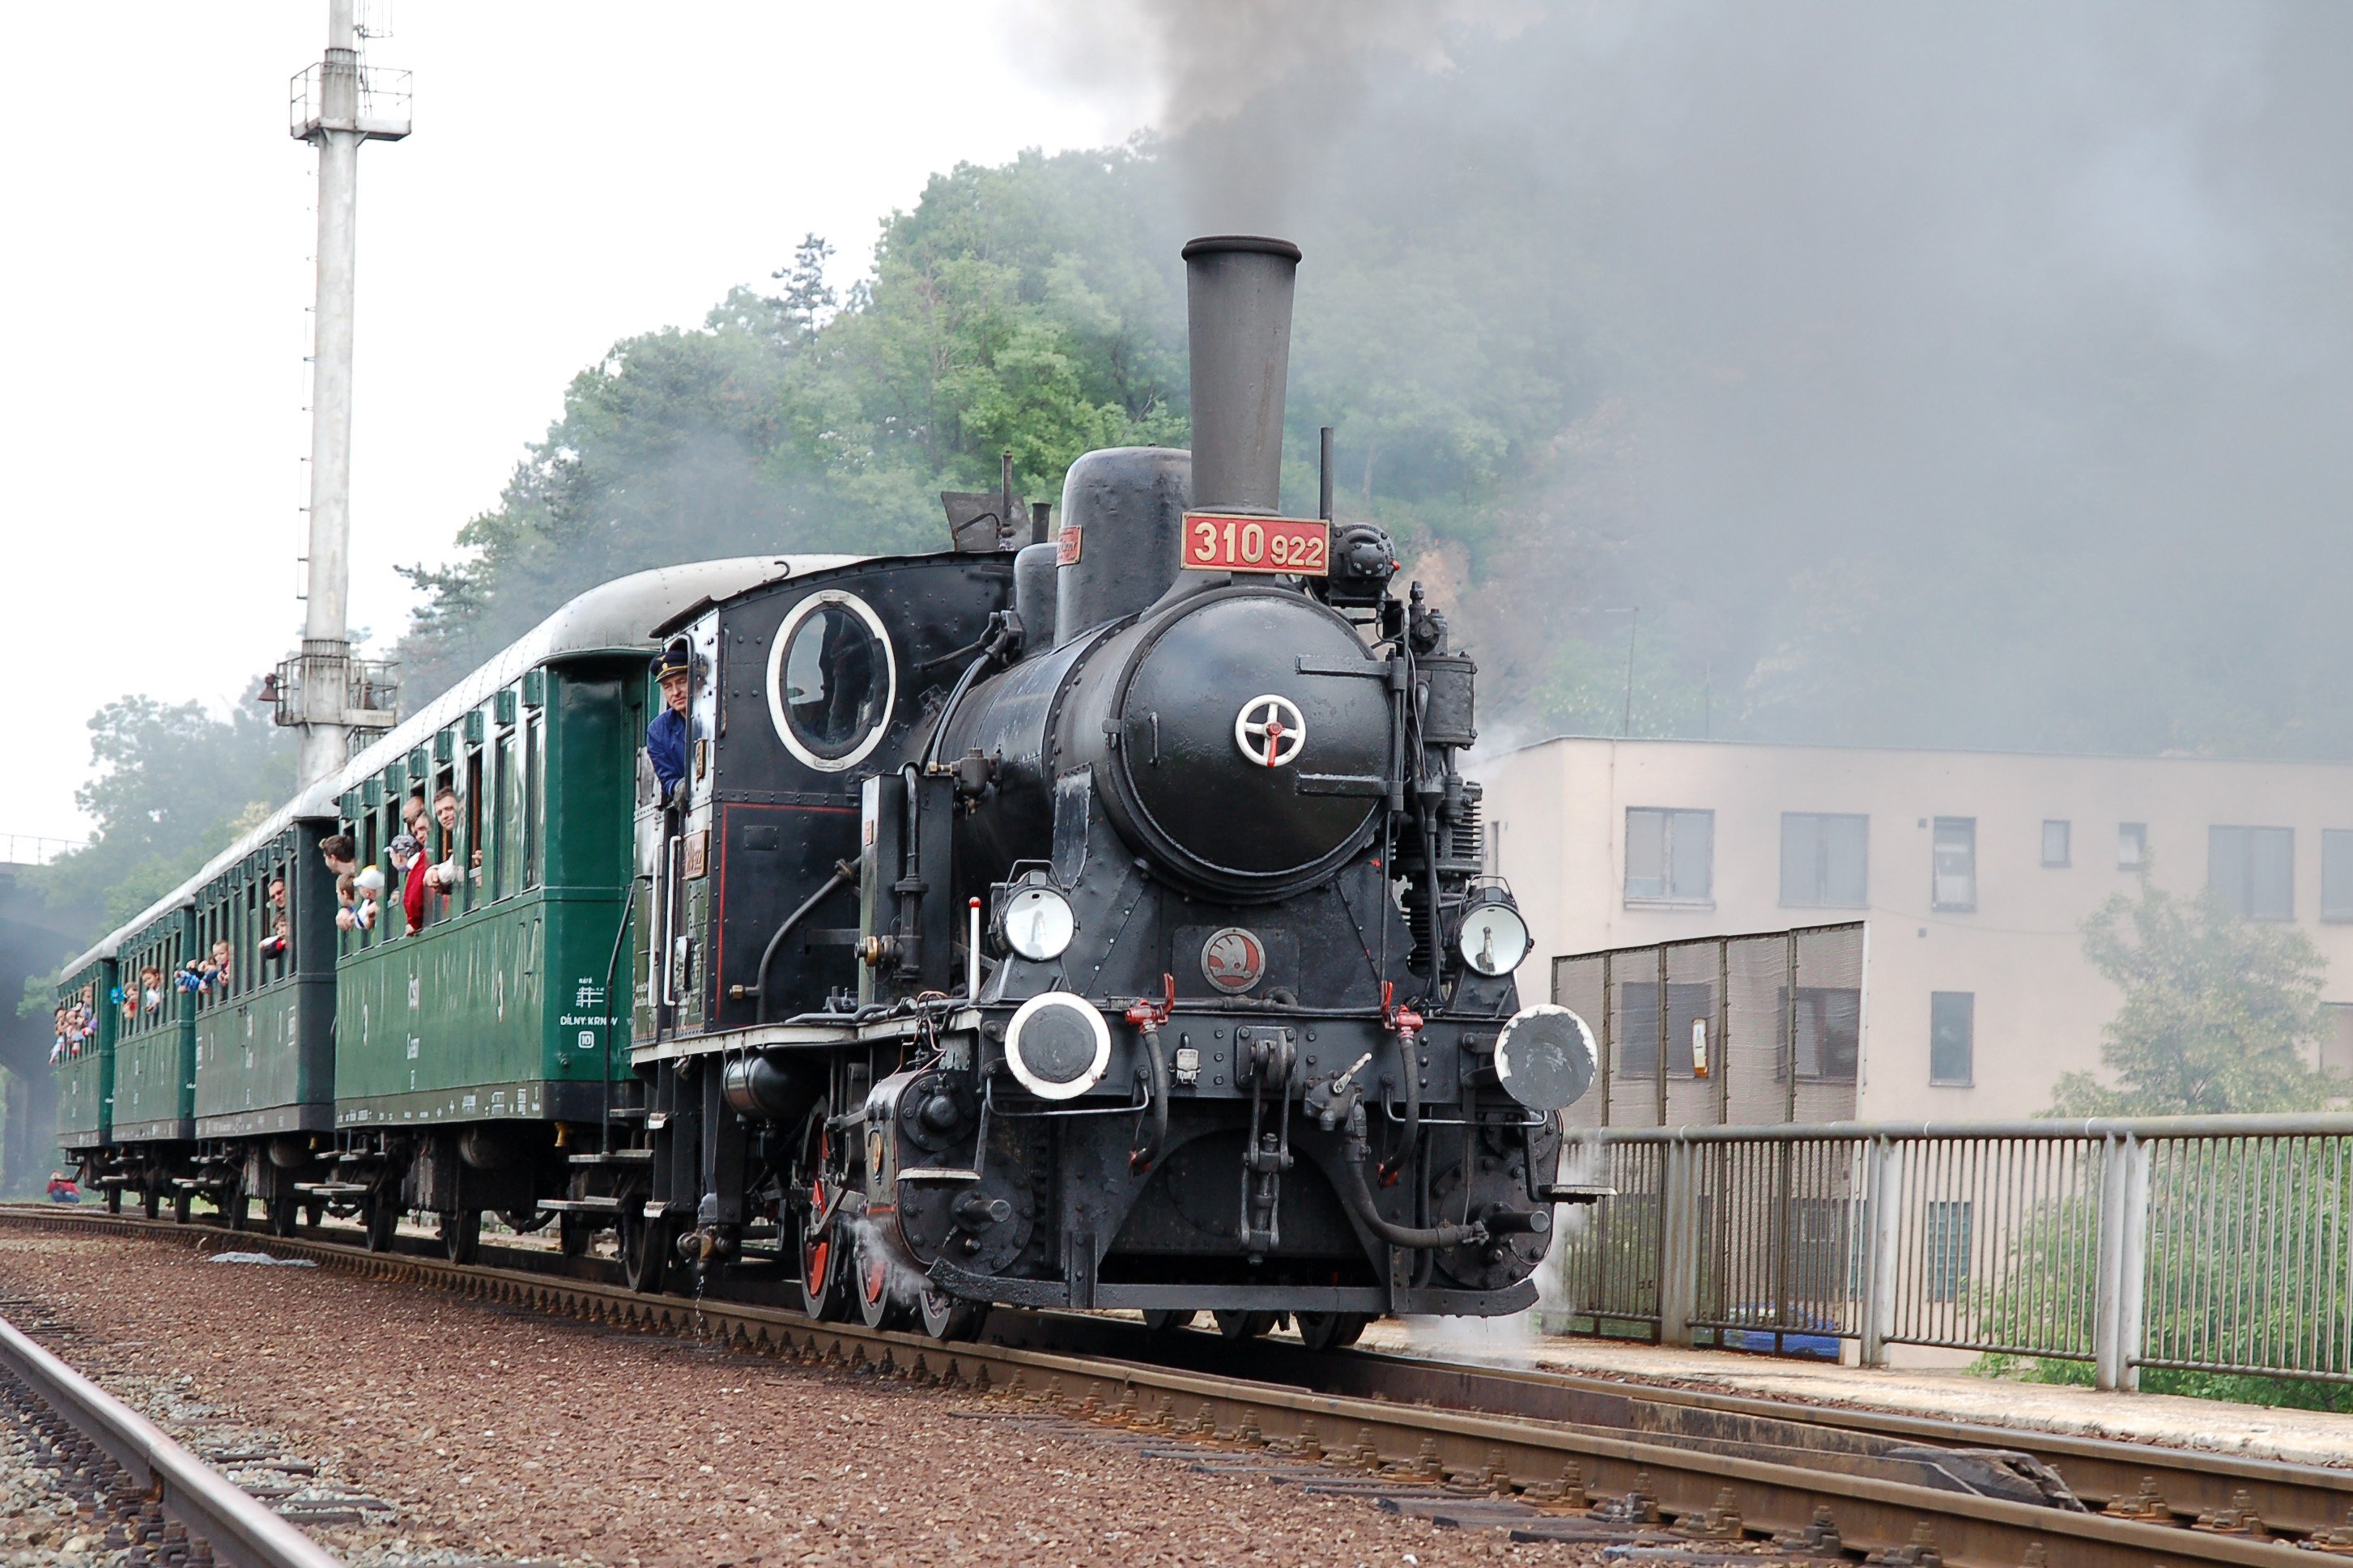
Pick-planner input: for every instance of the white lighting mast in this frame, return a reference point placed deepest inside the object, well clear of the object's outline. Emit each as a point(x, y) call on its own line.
point(336, 105)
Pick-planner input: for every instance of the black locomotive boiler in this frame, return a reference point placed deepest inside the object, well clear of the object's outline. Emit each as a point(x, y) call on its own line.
point(1096, 923)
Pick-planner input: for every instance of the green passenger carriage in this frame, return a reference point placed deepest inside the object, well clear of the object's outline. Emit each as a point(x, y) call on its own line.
point(86, 1076)
point(155, 1052)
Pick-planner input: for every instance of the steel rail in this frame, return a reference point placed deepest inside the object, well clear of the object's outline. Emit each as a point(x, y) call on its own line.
point(1495, 1452)
point(2302, 1499)
point(241, 1531)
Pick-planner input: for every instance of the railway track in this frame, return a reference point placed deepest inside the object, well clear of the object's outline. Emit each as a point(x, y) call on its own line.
point(1545, 1456)
point(140, 1490)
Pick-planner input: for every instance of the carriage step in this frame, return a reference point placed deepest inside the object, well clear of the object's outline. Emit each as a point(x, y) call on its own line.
point(615, 1157)
point(579, 1205)
point(333, 1189)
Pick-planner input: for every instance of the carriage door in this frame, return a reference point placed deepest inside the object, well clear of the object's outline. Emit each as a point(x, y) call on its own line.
point(680, 858)
point(649, 885)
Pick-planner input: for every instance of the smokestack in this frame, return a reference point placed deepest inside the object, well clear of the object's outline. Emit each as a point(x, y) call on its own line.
point(1238, 293)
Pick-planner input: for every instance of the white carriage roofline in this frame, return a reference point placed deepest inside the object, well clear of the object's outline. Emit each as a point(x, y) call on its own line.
point(618, 616)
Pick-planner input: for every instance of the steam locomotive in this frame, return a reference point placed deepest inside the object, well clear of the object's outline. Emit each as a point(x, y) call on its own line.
point(1097, 921)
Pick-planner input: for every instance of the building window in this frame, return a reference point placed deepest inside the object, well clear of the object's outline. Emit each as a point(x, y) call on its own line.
point(2132, 846)
point(1670, 856)
point(2252, 871)
point(1690, 1009)
point(1956, 860)
point(2336, 875)
point(1952, 1037)
point(2057, 841)
point(1947, 1250)
point(1829, 1033)
point(1824, 860)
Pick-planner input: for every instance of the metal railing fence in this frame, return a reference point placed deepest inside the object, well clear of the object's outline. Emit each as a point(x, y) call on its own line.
point(35, 848)
point(2213, 1243)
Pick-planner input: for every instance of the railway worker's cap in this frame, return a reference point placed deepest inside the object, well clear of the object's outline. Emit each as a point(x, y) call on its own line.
point(677, 657)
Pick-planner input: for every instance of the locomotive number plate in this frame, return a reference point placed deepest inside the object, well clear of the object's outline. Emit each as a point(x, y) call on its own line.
point(1215, 541)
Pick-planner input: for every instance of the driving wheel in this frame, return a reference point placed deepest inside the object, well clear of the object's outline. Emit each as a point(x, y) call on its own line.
point(813, 1195)
point(949, 1319)
point(877, 1287)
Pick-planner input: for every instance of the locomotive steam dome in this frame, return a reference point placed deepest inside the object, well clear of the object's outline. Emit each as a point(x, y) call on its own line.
point(1249, 760)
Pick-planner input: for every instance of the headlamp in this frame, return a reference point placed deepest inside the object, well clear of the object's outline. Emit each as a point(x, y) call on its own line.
point(1038, 922)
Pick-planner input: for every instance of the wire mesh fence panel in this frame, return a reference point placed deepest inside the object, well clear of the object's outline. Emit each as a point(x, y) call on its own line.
point(1759, 1028)
point(1636, 1083)
point(1580, 984)
point(1693, 1095)
point(1827, 1053)
point(1756, 1023)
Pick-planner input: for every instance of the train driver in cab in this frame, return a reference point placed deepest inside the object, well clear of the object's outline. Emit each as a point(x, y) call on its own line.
point(672, 734)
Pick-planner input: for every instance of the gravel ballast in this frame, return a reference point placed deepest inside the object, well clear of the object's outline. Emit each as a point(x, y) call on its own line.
point(436, 1430)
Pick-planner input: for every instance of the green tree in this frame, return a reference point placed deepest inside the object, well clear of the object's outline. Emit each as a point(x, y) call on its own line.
point(2220, 1013)
point(174, 784)
point(1012, 310)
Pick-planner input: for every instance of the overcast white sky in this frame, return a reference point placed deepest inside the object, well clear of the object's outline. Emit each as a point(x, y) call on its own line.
point(579, 172)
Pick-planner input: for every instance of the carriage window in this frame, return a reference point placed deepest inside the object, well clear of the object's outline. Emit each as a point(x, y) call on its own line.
point(534, 797)
point(470, 858)
point(830, 680)
point(506, 837)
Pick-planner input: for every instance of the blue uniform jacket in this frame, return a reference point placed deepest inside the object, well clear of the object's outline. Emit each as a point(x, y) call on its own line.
point(666, 739)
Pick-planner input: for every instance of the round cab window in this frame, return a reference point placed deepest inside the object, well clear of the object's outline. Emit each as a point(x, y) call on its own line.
point(831, 679)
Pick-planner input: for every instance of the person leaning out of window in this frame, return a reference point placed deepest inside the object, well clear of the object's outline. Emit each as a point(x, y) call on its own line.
point(672, 734)
point(409, 862)
point(444, 878)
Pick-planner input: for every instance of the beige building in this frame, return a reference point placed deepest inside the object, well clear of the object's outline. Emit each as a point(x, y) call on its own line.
point(1971, 872)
